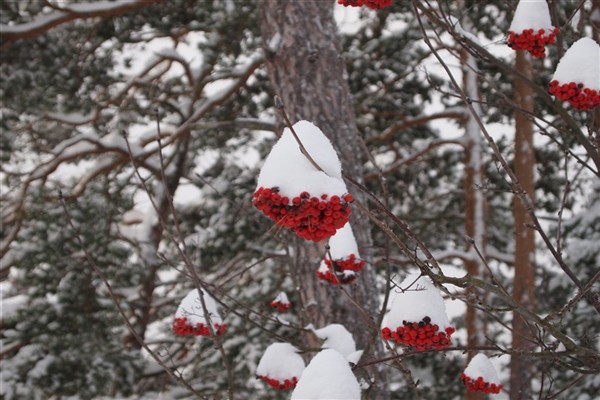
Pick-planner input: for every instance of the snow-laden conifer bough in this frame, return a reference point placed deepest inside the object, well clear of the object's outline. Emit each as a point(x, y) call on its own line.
point(418, 317)
point(342, 261)
point(372, 4)
point(327, 377)
point(531, 28)
point(480, 376)
point(577, 75)
point(190, 318)
point(295, 194)
point(280, 366)
point(281, 302)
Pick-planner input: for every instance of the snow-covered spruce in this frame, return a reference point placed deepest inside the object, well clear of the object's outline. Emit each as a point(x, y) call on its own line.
point(281, 302)
point(531, 28)
point(280, 366)
point(418, 316)
point(327, 377)
point(577, 75)
point(346, 260)
point(190, 317)
point(480, 376)
point(295, 194)
point(372, 4)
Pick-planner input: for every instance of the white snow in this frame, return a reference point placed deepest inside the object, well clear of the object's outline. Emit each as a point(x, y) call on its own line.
point(323, 268)
point(289, 170)
point(420, 299)
point(280, 361)
point(337, 337)
point(191, 308)
point(531, 14)
point(580, 64)
point(327, 377)
point(458, 27)
point(480, 366)
point(282, 298)
point(343, 243)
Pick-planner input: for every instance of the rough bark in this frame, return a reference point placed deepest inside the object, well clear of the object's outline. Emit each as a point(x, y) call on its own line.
point(475, 204)
point(524, 280)
point(307, 71)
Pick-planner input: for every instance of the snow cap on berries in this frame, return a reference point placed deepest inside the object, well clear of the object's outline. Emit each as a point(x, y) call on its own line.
point(531, 28)
point(190, 318)
point(480, 375)
point(287, 169)
point(372, 4)
point(281, 302)
point(280, 366)
point(577, 75)
point(418, 317)
point(337, 337)
point(328, 376)
point(346, 260)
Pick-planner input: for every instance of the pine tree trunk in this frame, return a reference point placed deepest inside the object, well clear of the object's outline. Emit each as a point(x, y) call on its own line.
point(524, 280)
point(307, 71)
point(475, 204)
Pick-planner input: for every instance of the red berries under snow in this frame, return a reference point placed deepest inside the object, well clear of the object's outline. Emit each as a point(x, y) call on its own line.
point(533, 42)
point(342, 262)
point(281, 303)
point(293, 192)
point(191, 317)
point(310, 217)
point(372, 4)
point(480, 376)
point(421, 335)
point(280, 366)
point(531, 28)
point(577, 76)
point(418, 317)
point(340, 271)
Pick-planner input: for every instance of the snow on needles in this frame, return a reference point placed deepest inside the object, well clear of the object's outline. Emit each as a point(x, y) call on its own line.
point(580, 64)
point(531, 14)
point(327, 377)
point(289, 170)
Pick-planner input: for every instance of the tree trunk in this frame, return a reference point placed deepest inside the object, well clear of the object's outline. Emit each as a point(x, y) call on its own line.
point(474, 211)
point(307, 71)
point(524, 280)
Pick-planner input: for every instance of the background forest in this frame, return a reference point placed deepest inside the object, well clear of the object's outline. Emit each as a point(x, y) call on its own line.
point(133, 133)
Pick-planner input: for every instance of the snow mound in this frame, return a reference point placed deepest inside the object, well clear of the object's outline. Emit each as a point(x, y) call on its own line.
point(580, 64)
point(289, 170)
point(190, 318)
point(343, 243)
point(481, 376)
point(281, 302)
point(280, 363)
point(531, 14)
point(337, 337)
point(327, 377)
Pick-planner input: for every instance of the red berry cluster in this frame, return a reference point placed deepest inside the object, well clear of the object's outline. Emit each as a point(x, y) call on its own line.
point(282, 307)
point(532, 42)
point(372, 4)
point(181, 327)
point(479, 385)
point(577, 95)
point(309, 217)
point(351, 263)
point(420, 335)
point(285, 385)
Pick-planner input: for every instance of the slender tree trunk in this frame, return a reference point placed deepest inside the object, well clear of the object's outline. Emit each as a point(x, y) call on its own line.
point(524, 280)
point(307, 71)
point(475, 204)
